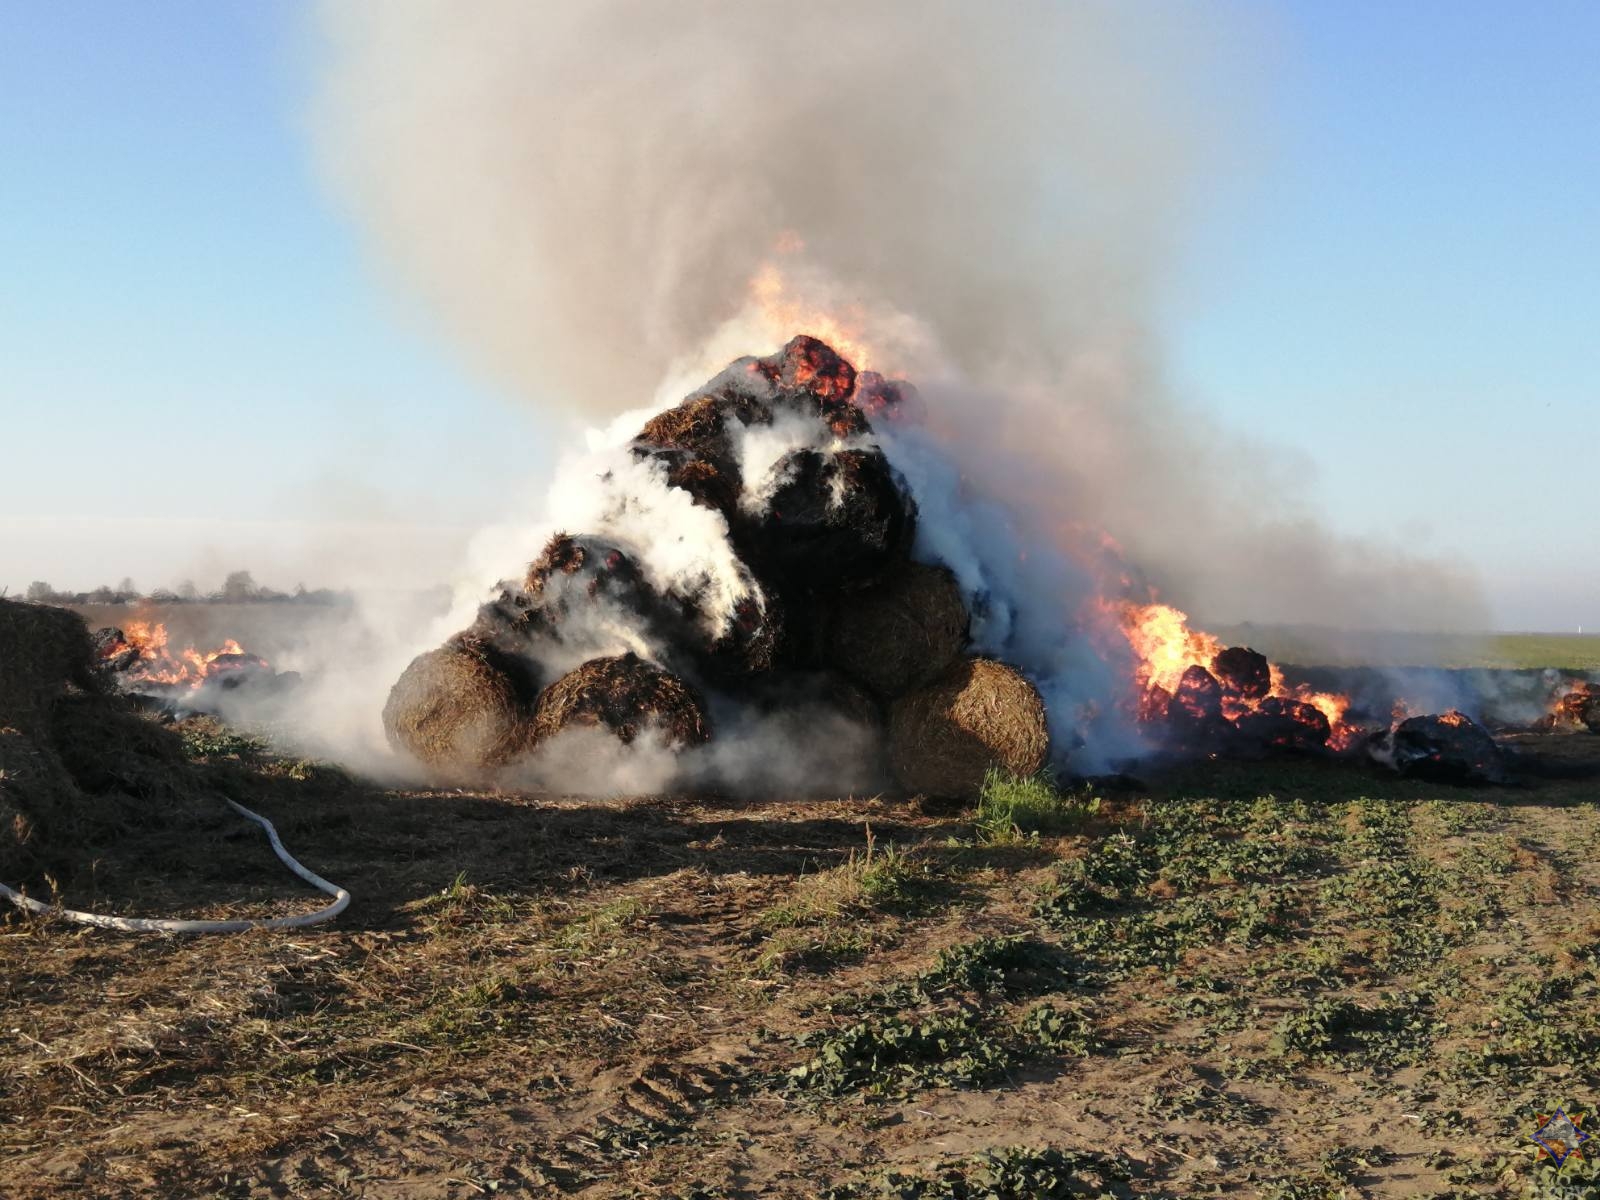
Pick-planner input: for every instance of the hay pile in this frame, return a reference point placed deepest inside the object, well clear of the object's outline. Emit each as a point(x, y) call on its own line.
point(626, 696)
point(43, 652)
point(944, 737)
point(78, 766)
point(821, 616)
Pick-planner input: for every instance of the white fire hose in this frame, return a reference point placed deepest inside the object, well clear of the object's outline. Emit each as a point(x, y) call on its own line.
point(341, 899)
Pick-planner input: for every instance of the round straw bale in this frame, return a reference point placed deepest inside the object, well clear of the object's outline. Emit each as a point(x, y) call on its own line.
point(626, 695)
point(457, 710)
point(901, 633)
point(833, 520)
point(943, 738)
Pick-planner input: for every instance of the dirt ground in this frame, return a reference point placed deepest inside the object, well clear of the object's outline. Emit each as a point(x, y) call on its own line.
point(1288, 979)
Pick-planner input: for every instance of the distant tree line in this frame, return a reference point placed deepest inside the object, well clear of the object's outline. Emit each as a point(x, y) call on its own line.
point(238, 588)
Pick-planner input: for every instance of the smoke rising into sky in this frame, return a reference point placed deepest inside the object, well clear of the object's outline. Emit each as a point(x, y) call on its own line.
point(585, 193)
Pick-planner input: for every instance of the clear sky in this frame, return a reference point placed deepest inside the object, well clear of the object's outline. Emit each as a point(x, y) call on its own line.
point(198, 365)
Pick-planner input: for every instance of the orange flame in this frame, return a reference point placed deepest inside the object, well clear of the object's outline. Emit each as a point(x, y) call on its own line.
point(784, 313)
point(156, 664)
point(1165, 647)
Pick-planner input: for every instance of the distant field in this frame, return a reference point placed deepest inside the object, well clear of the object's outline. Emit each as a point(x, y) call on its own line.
point(273, 629)
point(1331, 648)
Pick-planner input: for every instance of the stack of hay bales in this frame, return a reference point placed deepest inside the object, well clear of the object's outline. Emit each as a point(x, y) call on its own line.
point(77, 765)
point(840, 616)
point(43, 652)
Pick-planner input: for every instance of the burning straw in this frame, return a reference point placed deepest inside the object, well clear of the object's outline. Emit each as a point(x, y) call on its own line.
point(760, 531)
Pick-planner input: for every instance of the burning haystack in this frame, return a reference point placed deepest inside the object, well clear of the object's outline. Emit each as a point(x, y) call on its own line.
point(1576, 706)
point(141, 660)
point(1448, 748)
point(743, 562)
point(807, 570)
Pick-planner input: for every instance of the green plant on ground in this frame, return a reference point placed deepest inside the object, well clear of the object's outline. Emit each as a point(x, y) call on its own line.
point(1394, 1033)
point(1018, 965)
point(1058, 1029)
point(1014, 1173)
point(596, 933)
point(1018, 808)
point(210, 740)
point(889, 1055)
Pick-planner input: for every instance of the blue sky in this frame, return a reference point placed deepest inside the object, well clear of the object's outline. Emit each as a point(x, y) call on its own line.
point(197, 361)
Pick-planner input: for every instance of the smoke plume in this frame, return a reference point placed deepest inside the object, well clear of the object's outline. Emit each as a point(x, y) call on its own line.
point(594, 195)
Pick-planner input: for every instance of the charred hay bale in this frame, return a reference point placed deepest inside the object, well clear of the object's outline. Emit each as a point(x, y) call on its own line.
point(1279, 724)
point(810, 366)
point(832, 520)
point(696, 438)
point(814, 380)
point(701, 428)
point(627, 696)
point(944, 737)
point(893, 399)
point(901, 633)
point(711, 483)
point(113, 652)
point(748, 644)
point(576, 574)
point(1580, 706)
point(1194, 717)
point(1243, 672)
point(1445, 748)
point(457, 709)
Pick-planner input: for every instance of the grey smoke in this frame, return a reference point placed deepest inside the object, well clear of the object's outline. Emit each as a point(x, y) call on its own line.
point(584, 192)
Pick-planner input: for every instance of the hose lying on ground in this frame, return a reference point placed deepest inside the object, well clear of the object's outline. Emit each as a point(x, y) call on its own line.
point(341, 899)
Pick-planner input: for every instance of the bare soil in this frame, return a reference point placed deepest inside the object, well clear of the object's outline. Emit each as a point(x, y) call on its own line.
point(1285, 979)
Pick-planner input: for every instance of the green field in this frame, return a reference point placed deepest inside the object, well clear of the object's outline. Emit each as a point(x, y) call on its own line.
point(1335, 648)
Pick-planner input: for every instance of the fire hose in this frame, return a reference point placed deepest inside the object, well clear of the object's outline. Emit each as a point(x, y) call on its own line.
point(341, 900)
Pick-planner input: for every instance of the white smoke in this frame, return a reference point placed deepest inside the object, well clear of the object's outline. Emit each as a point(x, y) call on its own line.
point(586, 193)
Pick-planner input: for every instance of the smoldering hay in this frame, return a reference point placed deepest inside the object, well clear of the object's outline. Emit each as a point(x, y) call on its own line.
point(805, 582)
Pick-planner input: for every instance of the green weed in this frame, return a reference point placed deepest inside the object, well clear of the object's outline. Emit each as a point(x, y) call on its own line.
point(1015, 1173)
point(1013, 809)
